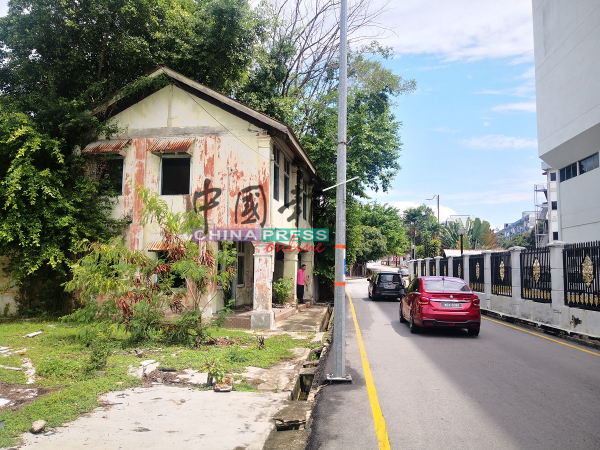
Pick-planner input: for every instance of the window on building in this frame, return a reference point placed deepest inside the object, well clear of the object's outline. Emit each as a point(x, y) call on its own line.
point(587, 164)
point(304, 199)
point(555, 235)
point(175, 175)
point(240, 262)
point(554, 206)
point(286, 182)
point(276, 156)
point(553, 176)
point(114, 174)
point(566, 173)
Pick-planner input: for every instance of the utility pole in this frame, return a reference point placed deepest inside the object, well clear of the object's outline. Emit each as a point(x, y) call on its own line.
point(339, 318)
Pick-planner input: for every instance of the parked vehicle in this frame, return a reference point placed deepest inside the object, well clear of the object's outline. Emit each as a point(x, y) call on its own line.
point(440, 302)
point(405, 277)
point(386, 284)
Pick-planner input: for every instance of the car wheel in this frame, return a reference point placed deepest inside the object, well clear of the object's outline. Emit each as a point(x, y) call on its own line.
point(411, 324)
point(402, 319)
point(474, 331)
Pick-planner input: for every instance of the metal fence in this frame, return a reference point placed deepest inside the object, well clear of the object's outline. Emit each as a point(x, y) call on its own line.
point(423, 267)
point(501, 274)
point(444, 267)
point(476, 265)
point(432, 268)
point(581, 263)
point(416, 268)
point(535, 275)
point(458, 267)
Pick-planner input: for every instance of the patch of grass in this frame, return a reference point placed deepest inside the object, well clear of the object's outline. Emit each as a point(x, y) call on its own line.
point(66, 358)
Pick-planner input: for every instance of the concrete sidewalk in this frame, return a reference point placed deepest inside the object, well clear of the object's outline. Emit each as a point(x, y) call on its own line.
point(181, 417)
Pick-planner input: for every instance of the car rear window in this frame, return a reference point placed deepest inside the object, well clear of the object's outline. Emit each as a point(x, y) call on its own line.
point(389, 278)
point(445, 286)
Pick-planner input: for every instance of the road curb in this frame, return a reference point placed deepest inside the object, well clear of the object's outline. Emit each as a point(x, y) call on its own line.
point(579, 338)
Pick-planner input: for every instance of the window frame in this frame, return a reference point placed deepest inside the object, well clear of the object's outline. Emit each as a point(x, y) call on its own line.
point(286, 181)
point(276, 172)
point(592, 160)
point(240, 253)
point(161, 171)
point(109, 161)
point(568, 172)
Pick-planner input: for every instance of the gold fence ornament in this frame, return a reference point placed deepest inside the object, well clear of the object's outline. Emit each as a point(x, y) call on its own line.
point(502, 270)
point(587, 269)
point(536, 270)
point(477, 271)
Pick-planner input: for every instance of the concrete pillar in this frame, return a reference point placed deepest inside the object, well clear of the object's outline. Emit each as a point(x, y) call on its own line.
point(450, 266)
point(515, 261)
point(419, 264)
point(427, 270)
point(438, 272)
point(262, 313)
point(466, 268)
point(487, 278)
point(290, 269)
point(557, 280)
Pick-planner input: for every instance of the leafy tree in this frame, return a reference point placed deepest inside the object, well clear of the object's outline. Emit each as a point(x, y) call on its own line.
point(387, 220)
point(526, 240)
point(60, 59)
point(372, 245)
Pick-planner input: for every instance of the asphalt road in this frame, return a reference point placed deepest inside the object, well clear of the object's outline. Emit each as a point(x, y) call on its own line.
point(505, 389)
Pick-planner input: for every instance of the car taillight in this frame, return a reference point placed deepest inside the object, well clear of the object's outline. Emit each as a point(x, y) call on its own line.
point(475, 301)
point(424, 301)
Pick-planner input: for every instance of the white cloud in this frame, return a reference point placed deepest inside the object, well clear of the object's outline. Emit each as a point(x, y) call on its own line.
point(486, 124)
point(445, 211)
point(515, 107)
point(498, 142)
point(461, 29)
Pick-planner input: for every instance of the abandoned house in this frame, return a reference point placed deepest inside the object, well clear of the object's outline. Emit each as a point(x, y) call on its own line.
point(187, 142)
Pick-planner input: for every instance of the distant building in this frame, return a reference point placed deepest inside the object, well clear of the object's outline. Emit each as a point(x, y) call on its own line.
point(567, 64)
point(524, 224)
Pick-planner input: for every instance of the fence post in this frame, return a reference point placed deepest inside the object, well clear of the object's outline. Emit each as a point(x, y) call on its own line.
point(557, 277)
point(419, 274)
point(515, 262)
point(427, 271)
point(437, 266)
point(466, 268)
point(487, 277)
point(411, 269)
point(450, 266)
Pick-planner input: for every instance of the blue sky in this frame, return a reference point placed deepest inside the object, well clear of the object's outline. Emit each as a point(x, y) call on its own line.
point(469, 131)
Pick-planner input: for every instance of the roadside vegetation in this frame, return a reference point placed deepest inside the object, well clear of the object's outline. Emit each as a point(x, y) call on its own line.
point(72, 369)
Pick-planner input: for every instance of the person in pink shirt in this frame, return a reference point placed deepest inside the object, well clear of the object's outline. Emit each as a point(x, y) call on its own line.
point(300, 277)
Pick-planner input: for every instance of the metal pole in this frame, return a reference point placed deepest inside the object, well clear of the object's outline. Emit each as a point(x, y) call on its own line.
point(339, 320)
point(438, 199)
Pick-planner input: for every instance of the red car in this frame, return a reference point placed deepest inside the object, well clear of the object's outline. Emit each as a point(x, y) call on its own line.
point(440, 302)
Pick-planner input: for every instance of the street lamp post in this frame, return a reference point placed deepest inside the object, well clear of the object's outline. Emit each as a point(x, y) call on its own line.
point(438, 205)
point(461, 233)
point(413, 251)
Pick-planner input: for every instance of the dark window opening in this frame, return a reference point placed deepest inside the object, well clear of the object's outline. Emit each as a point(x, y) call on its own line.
point(178, 281)
point(554, 206)
point(286, 182)
point(276, 153)
point(555, 235)
point(175, 176)
point(566, 173)
point(114, 173)
point(240, 263)
point(589, 163)
point(553, 176)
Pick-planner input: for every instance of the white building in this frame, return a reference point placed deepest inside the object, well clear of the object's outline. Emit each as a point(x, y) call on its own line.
point(567, 70)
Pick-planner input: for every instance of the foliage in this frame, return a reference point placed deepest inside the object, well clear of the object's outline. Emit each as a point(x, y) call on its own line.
point(282, 288)
point(526, 240)
point(424, 231)
point(478, 234)
point(126, 279)
point(63, 366)
point(372, 244)
point(216, 371)
point(387, 220)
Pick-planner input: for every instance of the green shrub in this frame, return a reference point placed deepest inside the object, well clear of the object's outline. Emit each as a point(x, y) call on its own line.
point(282, 289)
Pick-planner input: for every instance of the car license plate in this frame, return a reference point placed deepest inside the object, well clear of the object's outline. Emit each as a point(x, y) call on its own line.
point(389, 285)
point(451, 305)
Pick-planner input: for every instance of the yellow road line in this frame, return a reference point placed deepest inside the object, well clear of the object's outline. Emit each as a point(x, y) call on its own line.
point(543, 337)
point(380, 428)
